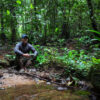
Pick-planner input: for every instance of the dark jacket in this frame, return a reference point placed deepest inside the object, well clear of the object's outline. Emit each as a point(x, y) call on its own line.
point(21, 48)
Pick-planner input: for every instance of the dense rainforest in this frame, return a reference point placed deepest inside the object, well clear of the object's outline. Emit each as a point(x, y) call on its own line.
point(66, 35)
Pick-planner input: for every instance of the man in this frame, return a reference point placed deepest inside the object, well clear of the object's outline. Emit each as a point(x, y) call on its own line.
point(22, 50)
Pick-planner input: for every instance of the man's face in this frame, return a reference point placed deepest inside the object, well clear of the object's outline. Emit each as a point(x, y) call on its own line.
point(25, 40)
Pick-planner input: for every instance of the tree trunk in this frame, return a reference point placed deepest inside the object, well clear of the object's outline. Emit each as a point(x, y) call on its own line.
point(65, 31)
point(93, 21)
point(13, 24)
point(92, 18)
point(35, 13)
point(31, 14)
point(65, 26)
point(45, 34)
point(3, 36)
point(2, 27)
point(13, 28)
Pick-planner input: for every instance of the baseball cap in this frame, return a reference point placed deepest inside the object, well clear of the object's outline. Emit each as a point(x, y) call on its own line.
point(24, 36)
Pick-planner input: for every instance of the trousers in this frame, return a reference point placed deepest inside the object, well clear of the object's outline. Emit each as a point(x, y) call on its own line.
point(23, 62)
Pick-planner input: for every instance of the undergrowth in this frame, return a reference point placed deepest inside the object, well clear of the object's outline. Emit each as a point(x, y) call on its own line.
point(76, 63)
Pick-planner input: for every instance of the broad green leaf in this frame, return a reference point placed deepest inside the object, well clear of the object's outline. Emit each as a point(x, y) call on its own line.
point(8, 12)
point(94, 31)
point(97, 61)
point(97, 38)
point(70, 53)
point(18, 2)
point(31, 6)
point(56, 30)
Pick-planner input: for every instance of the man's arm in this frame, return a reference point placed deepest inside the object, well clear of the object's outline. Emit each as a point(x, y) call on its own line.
point(17, 51)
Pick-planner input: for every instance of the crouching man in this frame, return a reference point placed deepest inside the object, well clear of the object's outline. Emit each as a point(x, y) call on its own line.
point(22, 50)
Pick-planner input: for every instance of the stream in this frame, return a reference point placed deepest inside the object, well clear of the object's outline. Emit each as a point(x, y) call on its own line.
point(36, 85)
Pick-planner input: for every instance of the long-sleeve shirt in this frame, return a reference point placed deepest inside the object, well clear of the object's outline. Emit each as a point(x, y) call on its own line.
point(21, 48)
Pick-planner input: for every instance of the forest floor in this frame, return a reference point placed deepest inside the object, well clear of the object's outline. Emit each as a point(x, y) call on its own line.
point(10, 77)
point(43, 78)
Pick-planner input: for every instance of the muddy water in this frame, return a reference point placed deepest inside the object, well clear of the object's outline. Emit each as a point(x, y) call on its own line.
point(21, 87)
point(38, 92)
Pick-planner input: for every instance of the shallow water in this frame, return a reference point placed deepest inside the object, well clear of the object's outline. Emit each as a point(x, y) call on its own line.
point(39, 92)
point(22, 87)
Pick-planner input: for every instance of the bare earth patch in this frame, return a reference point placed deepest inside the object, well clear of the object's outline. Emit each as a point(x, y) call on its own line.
point(10, 80)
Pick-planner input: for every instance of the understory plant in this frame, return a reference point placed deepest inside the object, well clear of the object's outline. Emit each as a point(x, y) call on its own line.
point(76, 63)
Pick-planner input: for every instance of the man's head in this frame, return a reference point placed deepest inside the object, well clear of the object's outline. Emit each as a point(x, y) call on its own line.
point(24, 38)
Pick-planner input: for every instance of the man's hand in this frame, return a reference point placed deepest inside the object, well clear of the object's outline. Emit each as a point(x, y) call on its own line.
point(26, 55)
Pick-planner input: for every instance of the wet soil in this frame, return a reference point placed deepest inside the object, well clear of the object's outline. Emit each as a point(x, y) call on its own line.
point(14, 78)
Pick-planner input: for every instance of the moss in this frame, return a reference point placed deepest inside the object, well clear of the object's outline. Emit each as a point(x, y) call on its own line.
point(82, 92)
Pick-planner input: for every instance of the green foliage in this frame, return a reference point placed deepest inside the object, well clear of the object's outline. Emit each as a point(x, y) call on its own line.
point(84, 40)
point(61, 42)
point(82, 92)
point(56, 30)
point(8, 12)
point(18, 2)
point(31, 6)
point(76, 63)
point(96, 61)
point(93, 31)
point(12, 57)
point(43, 21)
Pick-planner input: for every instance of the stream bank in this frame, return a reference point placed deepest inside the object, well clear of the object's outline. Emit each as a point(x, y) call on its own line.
point(36, 85)
point(53, 77)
